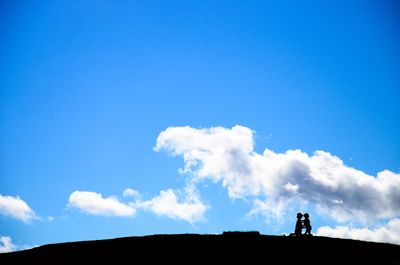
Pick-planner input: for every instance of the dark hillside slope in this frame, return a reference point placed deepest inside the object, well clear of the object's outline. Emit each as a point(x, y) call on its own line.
point(238, 247)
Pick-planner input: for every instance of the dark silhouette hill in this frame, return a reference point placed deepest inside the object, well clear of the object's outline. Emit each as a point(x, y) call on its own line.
point(238, 247)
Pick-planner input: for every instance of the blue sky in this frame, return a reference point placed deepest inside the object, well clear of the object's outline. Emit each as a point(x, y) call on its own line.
point(88, 90)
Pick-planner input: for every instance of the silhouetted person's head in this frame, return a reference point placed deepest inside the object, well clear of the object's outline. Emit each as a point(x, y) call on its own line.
point(306, 215)
point(299, 215)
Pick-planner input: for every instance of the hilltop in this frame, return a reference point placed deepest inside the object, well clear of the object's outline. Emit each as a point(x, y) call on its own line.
point(246, 247)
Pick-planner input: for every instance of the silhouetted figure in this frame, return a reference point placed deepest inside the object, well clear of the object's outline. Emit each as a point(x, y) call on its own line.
point(299, 225)
point(307, 224)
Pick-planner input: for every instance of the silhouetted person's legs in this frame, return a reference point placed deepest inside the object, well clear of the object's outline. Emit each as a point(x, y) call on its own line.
point(299, 225)
point(307, 224)
point(308, 231)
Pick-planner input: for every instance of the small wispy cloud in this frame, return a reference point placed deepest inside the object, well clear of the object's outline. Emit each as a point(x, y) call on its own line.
point(128, 192)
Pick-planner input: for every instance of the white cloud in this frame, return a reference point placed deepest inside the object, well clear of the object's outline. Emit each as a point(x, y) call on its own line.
point(189, 209)
point(6, 245)
point(93, 203)
point(175, 204)
point(16, 208)
point(389, 233)
point(131, 193)
point(278, 181)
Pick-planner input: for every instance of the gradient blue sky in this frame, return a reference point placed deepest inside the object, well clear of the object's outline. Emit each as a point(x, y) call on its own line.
point(86, 87)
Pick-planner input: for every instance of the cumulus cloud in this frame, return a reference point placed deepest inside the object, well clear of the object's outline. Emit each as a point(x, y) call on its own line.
point(6, 245)
point(276, 183)
point(175, 204)
point(16, 208)
point(167, 203)
point(389, 233)
point(94, 203)
point(276, 180)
